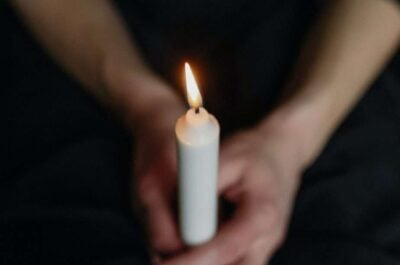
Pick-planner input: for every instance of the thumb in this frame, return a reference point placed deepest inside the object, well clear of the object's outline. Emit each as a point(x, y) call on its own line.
point(230, 170)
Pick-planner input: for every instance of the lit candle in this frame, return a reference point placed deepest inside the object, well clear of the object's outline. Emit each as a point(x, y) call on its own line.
point(197, 134)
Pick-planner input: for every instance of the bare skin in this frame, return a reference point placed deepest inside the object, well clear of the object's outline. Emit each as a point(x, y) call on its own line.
point(261, 167)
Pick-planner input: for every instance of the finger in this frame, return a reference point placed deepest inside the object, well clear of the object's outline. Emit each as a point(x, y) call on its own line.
point(230, 170)
point(162, 227)
point(257, 255)
point(231, 243)
point(263, 250)
point(232, 162)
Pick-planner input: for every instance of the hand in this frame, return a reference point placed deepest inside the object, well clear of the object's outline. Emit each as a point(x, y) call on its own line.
point(260, 175)
point(155, 169)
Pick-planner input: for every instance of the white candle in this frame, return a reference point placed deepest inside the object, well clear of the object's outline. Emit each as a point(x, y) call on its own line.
point(197, 134)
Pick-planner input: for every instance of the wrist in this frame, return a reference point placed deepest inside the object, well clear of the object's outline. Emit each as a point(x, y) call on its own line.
point(147, 100)
point(138, 95)
point(302, 126)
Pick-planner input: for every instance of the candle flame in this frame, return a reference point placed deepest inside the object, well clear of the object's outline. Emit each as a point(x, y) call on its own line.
point(193, 93)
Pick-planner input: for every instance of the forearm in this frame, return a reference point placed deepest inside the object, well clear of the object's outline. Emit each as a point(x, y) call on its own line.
point(342, 56)
point(89, 40)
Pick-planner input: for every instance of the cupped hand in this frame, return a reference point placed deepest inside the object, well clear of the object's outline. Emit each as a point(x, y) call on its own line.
point(259, 174)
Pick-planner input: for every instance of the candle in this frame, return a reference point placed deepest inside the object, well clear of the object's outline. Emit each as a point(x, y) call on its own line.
point(197, 135)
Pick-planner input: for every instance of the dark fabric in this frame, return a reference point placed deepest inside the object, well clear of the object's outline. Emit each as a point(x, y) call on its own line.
point(65, 175)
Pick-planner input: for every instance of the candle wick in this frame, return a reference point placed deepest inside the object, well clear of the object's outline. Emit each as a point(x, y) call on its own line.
point(197, 110)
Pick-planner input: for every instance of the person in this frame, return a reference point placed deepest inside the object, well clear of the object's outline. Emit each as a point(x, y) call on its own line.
point(309, 157)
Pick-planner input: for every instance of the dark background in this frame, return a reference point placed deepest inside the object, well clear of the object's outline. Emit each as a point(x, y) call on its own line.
point(66, 162)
